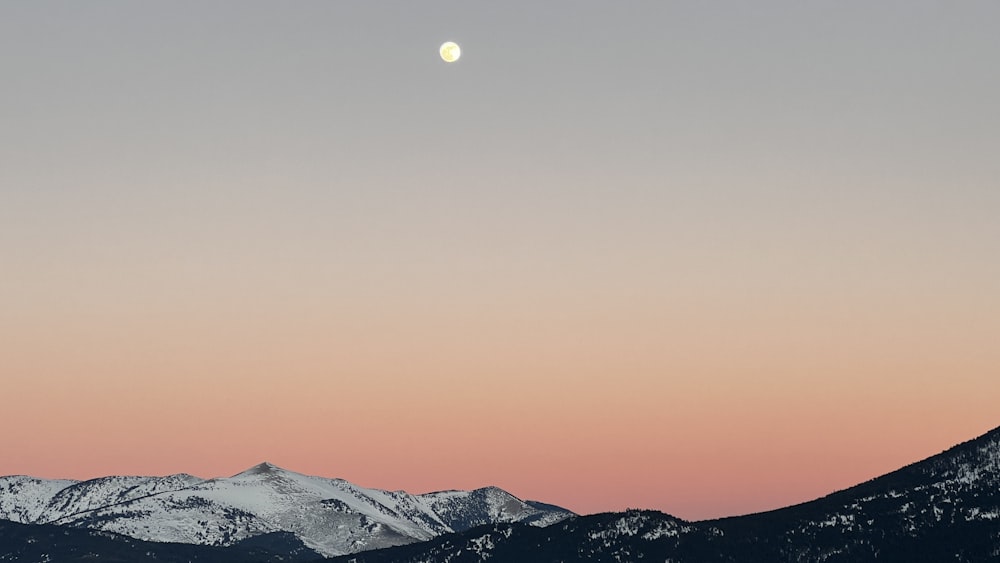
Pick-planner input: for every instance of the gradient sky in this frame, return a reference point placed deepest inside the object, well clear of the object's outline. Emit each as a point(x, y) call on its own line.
point(708, 258)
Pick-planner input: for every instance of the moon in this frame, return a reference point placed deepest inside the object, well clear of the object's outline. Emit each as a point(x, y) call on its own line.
point(450, 51)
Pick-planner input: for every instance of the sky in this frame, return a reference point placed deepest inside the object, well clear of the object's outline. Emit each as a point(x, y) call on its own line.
point(706, 258)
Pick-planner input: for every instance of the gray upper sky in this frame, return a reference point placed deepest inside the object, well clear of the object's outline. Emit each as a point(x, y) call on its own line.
point(614, 218)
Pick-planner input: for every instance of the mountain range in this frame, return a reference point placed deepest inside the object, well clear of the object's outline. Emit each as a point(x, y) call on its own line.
point(944, 508)
point(329, 516)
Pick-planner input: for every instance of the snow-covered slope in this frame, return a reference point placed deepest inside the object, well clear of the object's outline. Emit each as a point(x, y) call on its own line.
point(461, 510)
point(24, 499)
point(331, 516)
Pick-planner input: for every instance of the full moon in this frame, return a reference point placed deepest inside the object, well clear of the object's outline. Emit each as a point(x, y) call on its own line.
point(450, 51)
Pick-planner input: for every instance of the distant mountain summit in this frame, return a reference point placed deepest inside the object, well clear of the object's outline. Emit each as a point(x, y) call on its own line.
point(264, 468)
point(329, 516)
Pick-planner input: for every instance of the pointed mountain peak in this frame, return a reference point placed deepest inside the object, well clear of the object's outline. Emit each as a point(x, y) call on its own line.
point(493, 490)
point(263, 468)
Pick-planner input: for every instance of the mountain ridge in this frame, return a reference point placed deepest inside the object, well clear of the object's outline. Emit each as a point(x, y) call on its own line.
point(943, 508)
point(330, 516)
point(988, 436)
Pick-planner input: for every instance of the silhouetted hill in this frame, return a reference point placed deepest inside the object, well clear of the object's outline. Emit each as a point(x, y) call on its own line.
point(944, 508)
point(44, 543)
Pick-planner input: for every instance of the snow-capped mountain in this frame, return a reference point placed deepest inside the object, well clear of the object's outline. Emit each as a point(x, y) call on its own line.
point(945, 508)
point(330, 516)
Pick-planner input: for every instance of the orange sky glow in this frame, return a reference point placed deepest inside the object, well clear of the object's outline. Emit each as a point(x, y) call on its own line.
point(754, 261)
